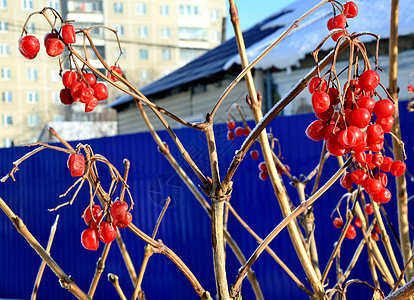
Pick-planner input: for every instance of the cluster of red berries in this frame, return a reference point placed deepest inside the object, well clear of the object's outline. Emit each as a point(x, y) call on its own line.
point(100, 230)
point(82, 87)
point(79, 86)
point(350, 10)
point(264, 173)
point(29, 45)
point(351, 232)
point(234, 131)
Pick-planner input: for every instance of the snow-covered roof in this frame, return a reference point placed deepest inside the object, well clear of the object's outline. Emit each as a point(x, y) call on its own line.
point(374, 16)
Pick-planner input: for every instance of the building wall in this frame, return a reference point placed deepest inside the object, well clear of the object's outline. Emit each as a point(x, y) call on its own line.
point(21, 78)
point(192, 105)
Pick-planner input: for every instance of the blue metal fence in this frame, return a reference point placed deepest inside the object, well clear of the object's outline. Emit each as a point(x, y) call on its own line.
point(185, 228)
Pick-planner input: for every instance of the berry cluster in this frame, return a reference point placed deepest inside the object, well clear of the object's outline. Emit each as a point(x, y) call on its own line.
point(100, 229)
point(234, 131)
point(350, 10)
point(79, 86)
point(264, 173)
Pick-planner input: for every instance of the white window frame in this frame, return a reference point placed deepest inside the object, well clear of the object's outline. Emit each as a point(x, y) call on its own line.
point(7, 142)
point(6, 97)
point(166, 54)
point(56, 97)
point(4, 50)
point(33, 120)
point(3, 4)
point(143, 75)
point(7, 120)
point(141, 9)
point(143, 53)
point(118, 8)
point(5, 73)
point(32, 74)
point(58, 118)
point(27, 4)
point(164, 10)
point(214, 15)
point(4, 26)
point(31, 28)
point(165, 33)
point(32, 97)
point(142, 31)
point(54, 4)
point(120, 29)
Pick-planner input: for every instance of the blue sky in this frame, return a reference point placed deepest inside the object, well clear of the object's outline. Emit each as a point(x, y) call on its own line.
point(253, 11)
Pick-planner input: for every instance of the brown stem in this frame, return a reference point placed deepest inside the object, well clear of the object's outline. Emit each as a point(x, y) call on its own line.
point(43, 264)
point(114, 280)
point(402, 293)
point(100, 266)
point(401, 183)
point(65, 281)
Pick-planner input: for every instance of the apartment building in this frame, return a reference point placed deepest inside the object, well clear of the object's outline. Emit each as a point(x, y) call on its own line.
point(156, 36)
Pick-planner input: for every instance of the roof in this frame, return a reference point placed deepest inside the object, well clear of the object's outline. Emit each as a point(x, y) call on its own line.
point(302, 41)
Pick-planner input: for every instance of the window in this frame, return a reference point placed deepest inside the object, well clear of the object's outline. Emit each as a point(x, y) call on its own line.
point(120, 29)
point(7, 142)
point(56, 98)
point(188, 10)
point(192, 34)
point(141, 9)
point(166, 54)
point(143, 75)
point(6, 97)
point(4, 26)
point(7, 120)
point(190, 54)
point(91, 6)
point(5, 73)
point(118, 8)
point(214, 15)
point(27, 4)
point(32, 97)
point(55, 75)
point(4, 50)
point(142, 31)
point(215, 36)
point(32, 74)
point(30, 27)
point(3, 4)
point(143, 53)
point(32, 120)
point(164, 10)
point(53, 4)
point(165, 33)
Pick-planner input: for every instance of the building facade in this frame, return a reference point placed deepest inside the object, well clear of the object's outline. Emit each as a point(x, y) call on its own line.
point(156, 37)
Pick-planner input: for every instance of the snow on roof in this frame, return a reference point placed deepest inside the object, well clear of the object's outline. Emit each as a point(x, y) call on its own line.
point(373, 16)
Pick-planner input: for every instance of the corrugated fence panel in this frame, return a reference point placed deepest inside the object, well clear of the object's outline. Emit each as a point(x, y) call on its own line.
point(185, 228)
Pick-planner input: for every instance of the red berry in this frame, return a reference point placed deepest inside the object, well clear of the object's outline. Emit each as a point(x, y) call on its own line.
point(338, 21)
point(254, 154)
point(89, 239)
point(76, 88)
point(68, 34)
point(230, 135)
point(65, 96)
point(338, 223)
point(76, 164)
point(369, 161)
point(246, 131)
point(351, 232)
point(375, 134)
point(107, 232)
point(382, 177)
point(384, 108)
point(231, 125)
point(346, 180)
point(336, 36)
point(68, 78)
point(367, 103)
point(375, 236)
point(358, 222)
point(385, 123)
point(238, 131)
point(386, 164)
point(316, 130)
point(359, 176)
point(119, 210)
point(335, 148)
point(115, 69)
point(320, 102)
point(317, 84)
point(377, 230)
point(398, 168)
point(90, 78)
point(369, 209)
point(360, 117)
point(101, 92)
point(360, 157)
point(372, 186)
point(263, 175)
point(347, 138)
point(350, 9)
point(369, 80)
point(262, 166)
point(96, 213)
point(377, 159)
point(326, 115)
point(331, 130)
point(383, 196)
point(29, 46)
point(333, 96)
point(54, 47)
point(50, 35)
point(87, 94)
point(90, 106)
point(125, 222)
point(410, 88)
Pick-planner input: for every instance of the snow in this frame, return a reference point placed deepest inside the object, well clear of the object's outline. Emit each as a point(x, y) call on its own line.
point(373, 16)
